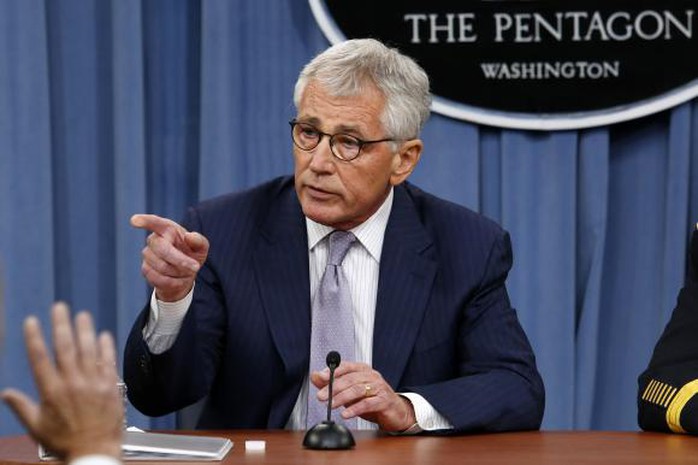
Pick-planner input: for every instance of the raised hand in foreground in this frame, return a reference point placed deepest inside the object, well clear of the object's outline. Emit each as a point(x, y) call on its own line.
point(80, 411)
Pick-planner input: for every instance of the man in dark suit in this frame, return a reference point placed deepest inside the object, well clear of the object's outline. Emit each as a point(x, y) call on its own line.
point(438, 346)
point(666, 396)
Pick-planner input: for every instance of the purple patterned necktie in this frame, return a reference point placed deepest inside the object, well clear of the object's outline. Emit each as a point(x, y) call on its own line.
point(332, 322)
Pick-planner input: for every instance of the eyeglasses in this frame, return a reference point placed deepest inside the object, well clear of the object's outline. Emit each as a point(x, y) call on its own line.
point(343, 146)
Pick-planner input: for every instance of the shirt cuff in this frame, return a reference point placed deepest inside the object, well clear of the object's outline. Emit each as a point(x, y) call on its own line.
point(428, 419)
point(164, 321)
point(95, 459)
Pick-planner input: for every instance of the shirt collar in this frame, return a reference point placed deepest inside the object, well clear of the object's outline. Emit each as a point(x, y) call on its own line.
point(370, 233)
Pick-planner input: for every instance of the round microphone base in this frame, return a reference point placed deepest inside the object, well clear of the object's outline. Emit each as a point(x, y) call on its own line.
point(328, 435)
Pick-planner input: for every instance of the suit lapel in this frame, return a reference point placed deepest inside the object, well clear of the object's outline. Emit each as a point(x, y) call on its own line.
point(281, 269)
point(404, 285)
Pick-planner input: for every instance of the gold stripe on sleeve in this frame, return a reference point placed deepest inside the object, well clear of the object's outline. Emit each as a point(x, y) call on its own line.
point(669, 397)
point(653, 391)
point(663, 401)
point(662, 393)
point(658, 394)
point(647, 389)
point(673, 412)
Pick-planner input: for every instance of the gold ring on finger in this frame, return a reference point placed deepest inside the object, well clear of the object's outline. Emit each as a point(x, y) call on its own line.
point(368, 391)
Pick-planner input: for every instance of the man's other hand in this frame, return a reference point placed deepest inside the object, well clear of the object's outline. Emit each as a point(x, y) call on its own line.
point(364, 393)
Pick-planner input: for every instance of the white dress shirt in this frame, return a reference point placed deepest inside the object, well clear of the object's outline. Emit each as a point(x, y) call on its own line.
point(361, 266)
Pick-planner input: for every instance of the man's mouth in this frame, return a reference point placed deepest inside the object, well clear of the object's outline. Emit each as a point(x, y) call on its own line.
point(319, 192)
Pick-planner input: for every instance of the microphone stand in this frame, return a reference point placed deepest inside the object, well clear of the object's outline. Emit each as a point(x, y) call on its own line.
point(328, 435)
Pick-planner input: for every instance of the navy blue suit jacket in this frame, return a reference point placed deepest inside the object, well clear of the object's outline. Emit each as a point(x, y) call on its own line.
point(444, 327)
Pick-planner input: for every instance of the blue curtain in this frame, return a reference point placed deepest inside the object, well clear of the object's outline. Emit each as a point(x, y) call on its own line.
point(109, 108)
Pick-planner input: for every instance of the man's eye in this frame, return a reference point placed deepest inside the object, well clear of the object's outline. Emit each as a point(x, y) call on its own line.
point(347, 142)
point(309, 133)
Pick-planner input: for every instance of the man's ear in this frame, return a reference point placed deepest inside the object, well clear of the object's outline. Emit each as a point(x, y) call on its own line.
point(405, 160)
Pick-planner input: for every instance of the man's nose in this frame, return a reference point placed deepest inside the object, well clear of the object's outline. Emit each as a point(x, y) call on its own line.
point(322, 158)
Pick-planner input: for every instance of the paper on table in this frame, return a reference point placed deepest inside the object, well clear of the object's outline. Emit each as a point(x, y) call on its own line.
point(161, 446)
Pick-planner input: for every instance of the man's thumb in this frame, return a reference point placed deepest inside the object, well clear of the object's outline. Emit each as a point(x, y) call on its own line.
point(196, 242)
point(23, 407)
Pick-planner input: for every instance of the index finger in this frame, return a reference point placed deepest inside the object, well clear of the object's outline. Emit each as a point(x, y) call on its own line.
point(154, 223)
point(350, 367)
point(322, 377)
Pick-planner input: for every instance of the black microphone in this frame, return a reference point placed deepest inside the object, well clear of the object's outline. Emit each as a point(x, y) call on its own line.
point(328, 435)
point(333, 360)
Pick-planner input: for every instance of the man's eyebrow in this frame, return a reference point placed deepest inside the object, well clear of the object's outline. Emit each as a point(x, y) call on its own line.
point(351, 129)
point(341, 129)
point(308, 119)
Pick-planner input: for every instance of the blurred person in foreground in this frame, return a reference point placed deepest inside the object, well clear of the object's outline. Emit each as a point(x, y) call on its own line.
point(79, 417)
point(239, 285)
point(667, 391)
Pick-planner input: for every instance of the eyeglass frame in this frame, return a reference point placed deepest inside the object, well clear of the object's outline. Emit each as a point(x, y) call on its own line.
point(361, 143)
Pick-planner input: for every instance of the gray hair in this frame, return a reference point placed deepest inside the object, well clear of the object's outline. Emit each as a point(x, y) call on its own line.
point(347, 67)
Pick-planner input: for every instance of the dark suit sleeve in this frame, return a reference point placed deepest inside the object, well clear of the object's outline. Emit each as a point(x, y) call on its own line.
point(190, 364)
point(498, 387)
point(667, 398)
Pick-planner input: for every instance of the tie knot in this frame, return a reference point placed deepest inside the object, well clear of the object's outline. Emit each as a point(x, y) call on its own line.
point(340, 241)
